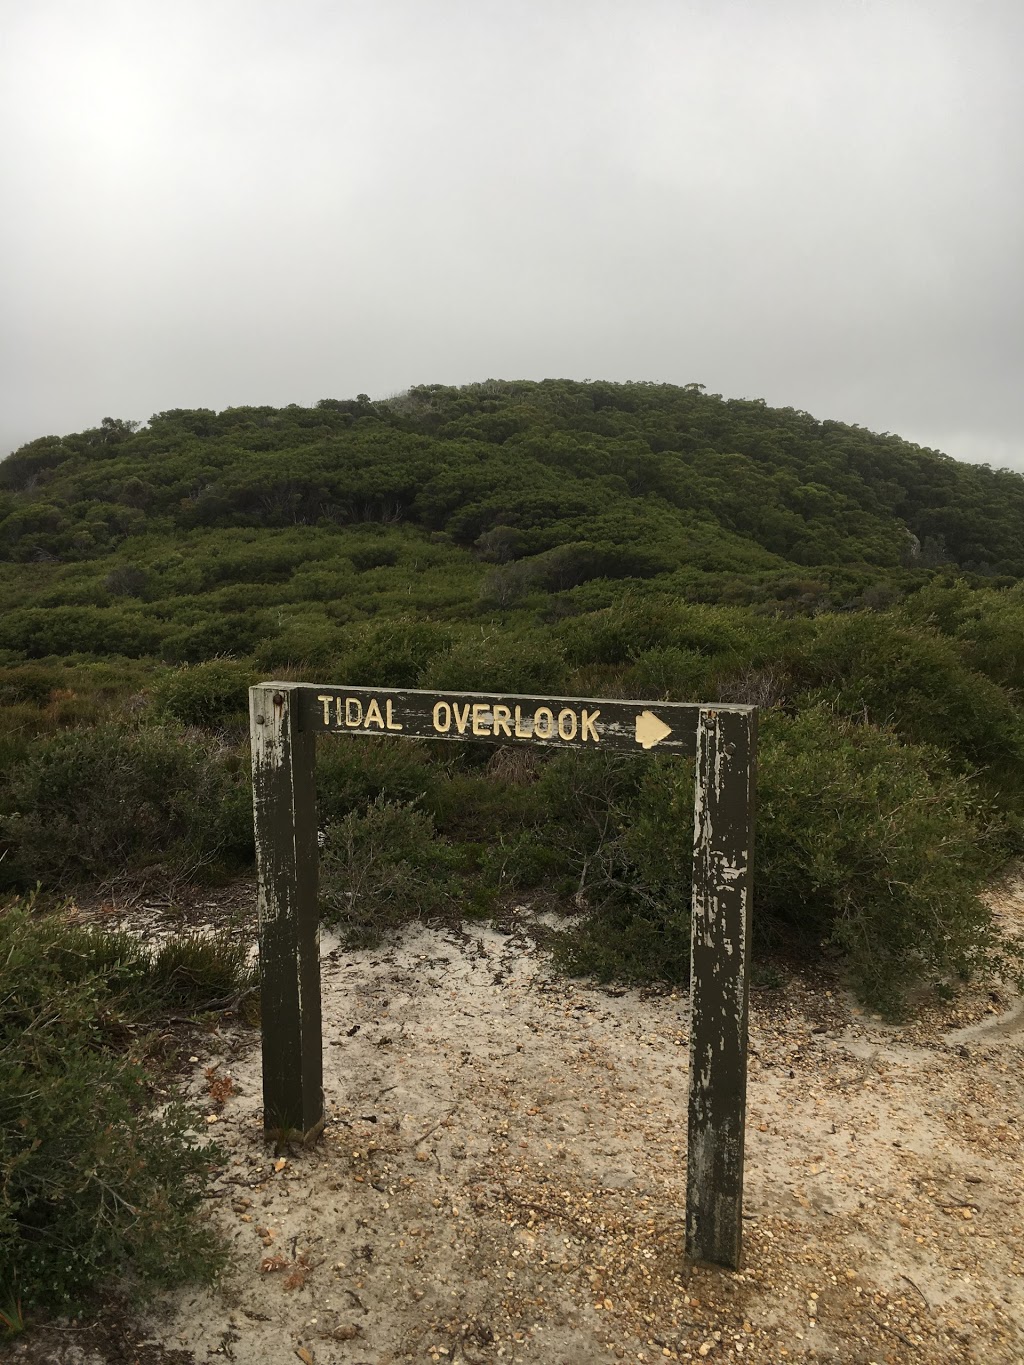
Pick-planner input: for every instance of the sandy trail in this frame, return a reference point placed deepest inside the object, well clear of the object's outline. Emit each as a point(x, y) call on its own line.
point(503, 1178)
point(503, 1173)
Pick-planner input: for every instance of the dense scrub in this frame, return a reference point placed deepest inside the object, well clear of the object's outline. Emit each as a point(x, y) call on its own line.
point(589, 539)
point(95, 1182)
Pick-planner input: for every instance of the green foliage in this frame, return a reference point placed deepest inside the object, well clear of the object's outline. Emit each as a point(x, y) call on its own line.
point(207, 694)
point(197, 971)
point(915, 681)
point(353, 773)
point(986, 624)
point(592, 539)
point(94, 1183)
point(618, 479)
point(382, 867)
point(37, 632)
point(635, 876)
point(494, 661)
point(87, 803)
point(394, 653)
point(874, 847)
point(188, 971)
point(866, 845)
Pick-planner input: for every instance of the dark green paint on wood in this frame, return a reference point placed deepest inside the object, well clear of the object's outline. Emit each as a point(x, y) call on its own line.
point(286, 718)
point(719, 976)
point(284, 812)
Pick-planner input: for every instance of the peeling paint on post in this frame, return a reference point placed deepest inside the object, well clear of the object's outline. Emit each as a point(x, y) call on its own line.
point(284, 815)
point(719, 982)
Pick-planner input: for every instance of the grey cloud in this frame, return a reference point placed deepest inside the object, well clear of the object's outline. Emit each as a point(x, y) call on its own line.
point(235, 203)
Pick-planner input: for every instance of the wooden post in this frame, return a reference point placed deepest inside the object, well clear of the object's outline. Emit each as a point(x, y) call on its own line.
point(719, 983)
point(284, 814)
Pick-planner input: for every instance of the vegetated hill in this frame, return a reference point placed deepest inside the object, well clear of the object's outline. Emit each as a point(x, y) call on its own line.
point(707, 481)
point(552, 484)
point(627, 540)
point(588, 538)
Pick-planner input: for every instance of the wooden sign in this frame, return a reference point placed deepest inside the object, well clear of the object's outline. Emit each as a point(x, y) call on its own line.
point(285, 720)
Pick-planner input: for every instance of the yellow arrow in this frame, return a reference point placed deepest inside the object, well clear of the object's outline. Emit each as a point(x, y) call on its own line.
point(650, 730)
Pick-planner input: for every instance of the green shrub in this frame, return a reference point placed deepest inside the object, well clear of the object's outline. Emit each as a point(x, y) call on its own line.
point(617, 941)
point(93, 1182)
point(874, 847)
point(116, 957)
point(188, 971)
point(393, 653)
point(477, 804)
point(498, 662)
point(671, 674)
point(350, 773)
point(199, 971)
point(625, 631)
point(635, 877)
point(987, 625)
point(31, 683)
point(914, 681)
point(221, 633)
point(301, 639)
point(524, 860)
point(382, 867)
point(38, 632)
point(868, 848)
point(87, 804)
point(210, 695)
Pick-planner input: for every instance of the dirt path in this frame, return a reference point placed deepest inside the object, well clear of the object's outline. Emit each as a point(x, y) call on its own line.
point(503, 1179)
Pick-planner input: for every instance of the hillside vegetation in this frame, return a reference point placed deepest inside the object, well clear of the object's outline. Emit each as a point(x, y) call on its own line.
point(632, 540)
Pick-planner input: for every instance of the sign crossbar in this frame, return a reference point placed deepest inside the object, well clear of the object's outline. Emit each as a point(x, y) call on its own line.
point(285, 720)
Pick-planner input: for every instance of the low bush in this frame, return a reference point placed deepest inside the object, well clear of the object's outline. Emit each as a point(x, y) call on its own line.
point(876, 849)
point(94, 1182)
point(196, 971)
point(382, 867)
point(88, 804)
point(353, 772)
point(498, 662)
point(915, 681)
point(868, 849)
point(208, 695)
point(635, 880)
point(393, 653)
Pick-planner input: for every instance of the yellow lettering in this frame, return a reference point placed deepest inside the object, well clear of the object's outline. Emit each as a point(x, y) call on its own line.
point(567, 724)
point(461, 721)
point(502, 716)
point(325, 702)
point(389, 710)
point(353, 711)
point(373, 715)
point(520, 732)
point(442, 717)
point(587, 723)
point(549, 723)
point(481, 715)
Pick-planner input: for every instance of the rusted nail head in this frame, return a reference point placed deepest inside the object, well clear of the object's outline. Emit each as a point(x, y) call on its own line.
point(278, 698)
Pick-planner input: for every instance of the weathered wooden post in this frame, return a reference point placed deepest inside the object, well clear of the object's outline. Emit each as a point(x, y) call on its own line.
point(287, 717)
point(284, 815)
point(719, 974)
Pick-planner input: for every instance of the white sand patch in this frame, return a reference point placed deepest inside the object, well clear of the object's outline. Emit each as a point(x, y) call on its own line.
point(503, 1178)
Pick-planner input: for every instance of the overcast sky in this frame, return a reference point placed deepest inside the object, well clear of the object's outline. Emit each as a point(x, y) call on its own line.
point(815, 202)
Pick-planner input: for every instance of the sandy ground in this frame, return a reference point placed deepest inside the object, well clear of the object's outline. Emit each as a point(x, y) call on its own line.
point(502, 1178)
